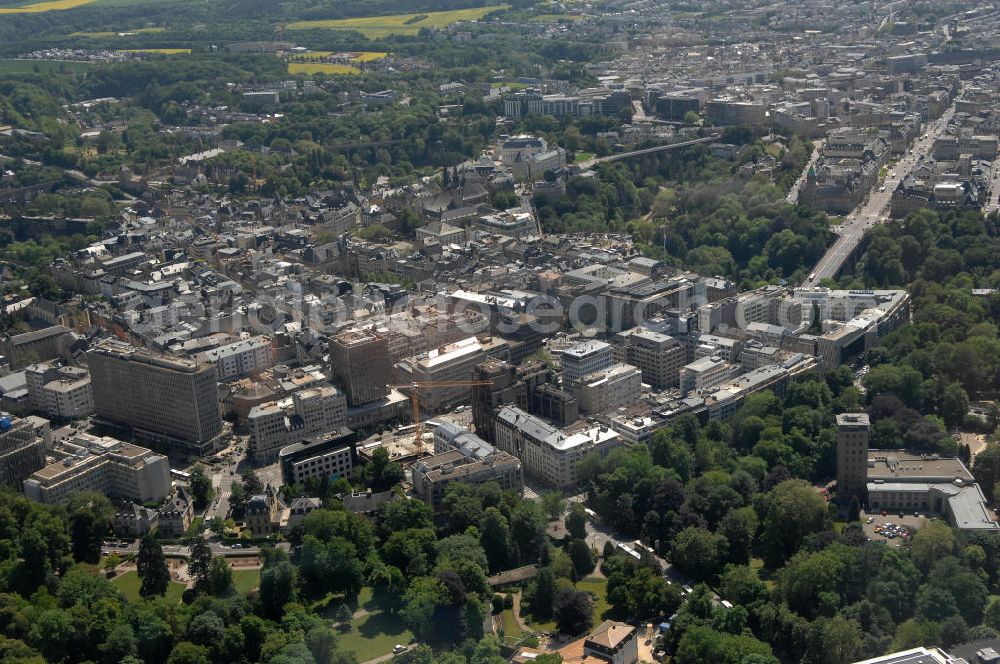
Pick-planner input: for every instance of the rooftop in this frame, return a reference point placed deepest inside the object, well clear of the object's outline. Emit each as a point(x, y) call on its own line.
point(897, 465)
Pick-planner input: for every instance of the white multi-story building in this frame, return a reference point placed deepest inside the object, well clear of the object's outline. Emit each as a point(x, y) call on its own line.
point(58, 392)
point(104, 465)
point(703, 373)
point(546, 452)
point(243, 358)
point(601, 391)
point(584, 359)
point(452, 362)
point(307, 413)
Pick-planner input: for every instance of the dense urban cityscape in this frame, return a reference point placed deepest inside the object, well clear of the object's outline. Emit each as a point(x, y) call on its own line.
point(423, 331)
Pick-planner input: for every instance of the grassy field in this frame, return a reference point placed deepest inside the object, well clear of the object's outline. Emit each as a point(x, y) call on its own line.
point(245, 580)
point(53, 5)
point(321, 68)
point(398, 24)
point(29, 66)
point(510, 628)
point(374, 635)
point(583, 156)
point(160, 51)
point(129, 584)
point(598, 587)
point(123, 33)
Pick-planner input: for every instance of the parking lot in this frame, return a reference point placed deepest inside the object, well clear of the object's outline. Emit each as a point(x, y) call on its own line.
point(890, 528)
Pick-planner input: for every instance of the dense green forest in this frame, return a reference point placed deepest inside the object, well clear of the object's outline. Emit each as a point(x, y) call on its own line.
point(692, 208)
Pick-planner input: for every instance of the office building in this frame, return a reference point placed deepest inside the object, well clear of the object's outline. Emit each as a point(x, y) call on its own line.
point(929, 484)
point(725, 112)
point(548, 453)
point(583, 359)
point(104, 465)
point(601, 391)
point(704, 373)
point(360, 360)
point(307, 413)
point(461, 456)
point(166, 400)
point(659, 357)
point(452, 362)
point(393, 407)
point(508, 384)
point(22, 452)
point(330, 456)
point(59, 393)
point(853, 430)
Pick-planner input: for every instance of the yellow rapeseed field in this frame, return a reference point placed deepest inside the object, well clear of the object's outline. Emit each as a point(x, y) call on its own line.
point(54, 5)
point(321, 68)
point(359, 56)
point(398, 24)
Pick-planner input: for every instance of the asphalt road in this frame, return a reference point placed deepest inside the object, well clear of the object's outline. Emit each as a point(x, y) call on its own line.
point(993, 202)
point(793, 193)
point(873, 210)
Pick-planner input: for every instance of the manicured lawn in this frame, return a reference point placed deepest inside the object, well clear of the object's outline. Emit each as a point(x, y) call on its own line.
point(396, 24)
point(29, 66)
point(374, 636)
point(599, 588)
point(583, 156)
point(549, 626)
point(245, 580)
point(129, 584)
point(510, 628)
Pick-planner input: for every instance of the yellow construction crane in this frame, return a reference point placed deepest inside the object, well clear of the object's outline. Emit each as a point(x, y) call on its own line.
point(413, 389)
